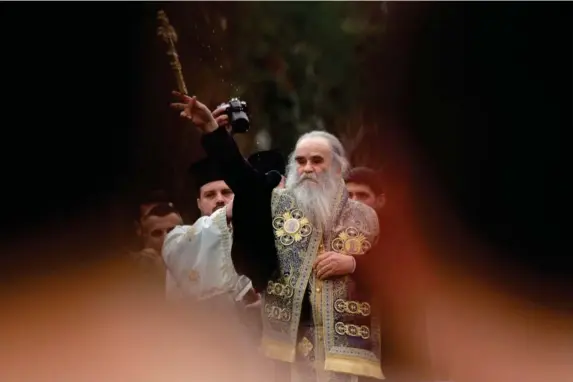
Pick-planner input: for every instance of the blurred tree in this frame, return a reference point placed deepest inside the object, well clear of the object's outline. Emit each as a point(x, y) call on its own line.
point(300, 66)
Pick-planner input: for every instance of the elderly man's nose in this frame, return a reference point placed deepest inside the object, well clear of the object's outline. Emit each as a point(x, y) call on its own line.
point(308, 168)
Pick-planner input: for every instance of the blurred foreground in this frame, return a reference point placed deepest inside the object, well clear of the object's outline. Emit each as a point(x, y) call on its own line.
point(100, 323)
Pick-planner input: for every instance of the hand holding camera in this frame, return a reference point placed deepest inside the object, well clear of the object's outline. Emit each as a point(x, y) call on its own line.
point(232, 114)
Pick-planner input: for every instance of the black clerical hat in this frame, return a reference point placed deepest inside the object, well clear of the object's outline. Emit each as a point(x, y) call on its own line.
point(266, 161)
point(148, 196)
point(153, 196)
point(205, 171)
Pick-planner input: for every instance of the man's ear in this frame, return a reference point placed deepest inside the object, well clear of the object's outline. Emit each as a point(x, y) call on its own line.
point(199, 204)
point(380, 201)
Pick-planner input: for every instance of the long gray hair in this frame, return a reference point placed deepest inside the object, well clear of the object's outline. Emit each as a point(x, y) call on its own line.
point(339, 159)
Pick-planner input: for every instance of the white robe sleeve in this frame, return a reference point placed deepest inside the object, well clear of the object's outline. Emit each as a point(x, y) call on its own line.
point(198, 259)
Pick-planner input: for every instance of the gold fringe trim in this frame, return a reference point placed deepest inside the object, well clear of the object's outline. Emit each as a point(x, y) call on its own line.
point(278, 350)
point(354, 366)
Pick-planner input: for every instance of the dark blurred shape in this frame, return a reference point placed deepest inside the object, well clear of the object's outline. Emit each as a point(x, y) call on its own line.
point(273, 178)
point(152, 197)
point(367, 176)
point(268, 160)
point(485, 97)
point(162, 209)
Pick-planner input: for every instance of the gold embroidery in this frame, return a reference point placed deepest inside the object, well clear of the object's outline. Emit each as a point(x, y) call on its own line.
point(352, 307)
point(331, 352)
point(351, 242)
point(352, 365)
point(194, 276)
point(291, 227)
point(305, 346)
point(276, 313)
point(279, 289)
point(352, 330)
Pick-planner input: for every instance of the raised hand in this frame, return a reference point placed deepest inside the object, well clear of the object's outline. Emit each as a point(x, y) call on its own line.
point(195, 111)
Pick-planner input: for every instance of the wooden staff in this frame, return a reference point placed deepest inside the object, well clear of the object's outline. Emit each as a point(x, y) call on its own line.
point(168, 34)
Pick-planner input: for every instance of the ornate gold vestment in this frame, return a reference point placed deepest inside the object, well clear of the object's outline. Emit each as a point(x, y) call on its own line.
point(343, 336)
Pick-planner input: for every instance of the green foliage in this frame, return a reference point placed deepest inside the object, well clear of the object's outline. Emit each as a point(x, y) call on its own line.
point(298, 64)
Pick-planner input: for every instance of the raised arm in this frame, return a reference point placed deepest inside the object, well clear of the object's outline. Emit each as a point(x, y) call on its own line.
point(220, 145)
point(254, 252)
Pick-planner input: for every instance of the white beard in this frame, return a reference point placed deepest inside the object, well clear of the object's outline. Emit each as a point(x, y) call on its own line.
point(315, 196)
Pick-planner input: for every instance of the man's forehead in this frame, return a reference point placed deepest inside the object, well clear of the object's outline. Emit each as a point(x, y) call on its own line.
point(217, 185)
point(154, 221)
point(359, 187)
point(312, 146)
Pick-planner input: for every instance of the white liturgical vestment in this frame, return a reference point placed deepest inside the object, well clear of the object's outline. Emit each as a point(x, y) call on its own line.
point(200, 268)
point(198, 260)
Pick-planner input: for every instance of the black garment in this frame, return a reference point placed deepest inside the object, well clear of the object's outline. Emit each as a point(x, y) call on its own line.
point(269, 160)
point(253, 253)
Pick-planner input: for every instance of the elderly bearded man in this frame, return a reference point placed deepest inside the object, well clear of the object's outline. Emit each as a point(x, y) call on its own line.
point(301, 247)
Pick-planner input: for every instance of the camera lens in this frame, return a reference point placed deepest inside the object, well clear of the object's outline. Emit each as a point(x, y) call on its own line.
point(238, 117)
point(240, 122)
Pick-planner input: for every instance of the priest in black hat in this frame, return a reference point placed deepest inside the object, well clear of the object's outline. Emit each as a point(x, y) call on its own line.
point(212, 191)
point(198, 256)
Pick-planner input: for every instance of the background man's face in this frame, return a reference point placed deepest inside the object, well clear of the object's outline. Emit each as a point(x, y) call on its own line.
point(213, 196)
point(363, 193)
point(154, 229)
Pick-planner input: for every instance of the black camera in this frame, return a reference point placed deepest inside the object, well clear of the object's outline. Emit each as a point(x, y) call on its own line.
point(237, 111)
